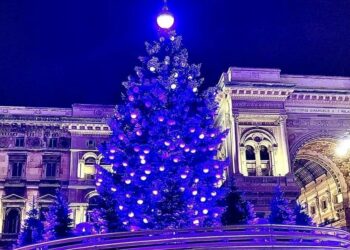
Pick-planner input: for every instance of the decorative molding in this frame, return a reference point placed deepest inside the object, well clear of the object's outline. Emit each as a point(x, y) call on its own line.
point(257, 104)
point(317, 110)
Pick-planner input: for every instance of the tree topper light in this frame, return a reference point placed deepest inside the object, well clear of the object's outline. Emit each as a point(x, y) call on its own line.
point(165, 19)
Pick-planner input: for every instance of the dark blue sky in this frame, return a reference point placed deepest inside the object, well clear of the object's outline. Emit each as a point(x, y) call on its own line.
point(59, 52)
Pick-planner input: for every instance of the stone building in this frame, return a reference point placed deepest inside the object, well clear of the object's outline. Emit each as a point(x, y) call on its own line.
point(45, 148)
point(283, 130)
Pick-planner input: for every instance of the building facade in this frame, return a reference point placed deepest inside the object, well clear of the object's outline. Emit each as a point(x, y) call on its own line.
point(42, 149)
point(283, 129)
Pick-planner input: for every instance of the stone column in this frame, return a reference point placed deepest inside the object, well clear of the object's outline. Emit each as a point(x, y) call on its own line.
point(257, 161)
point(235, 129)
point(272, 152)
point(285, 146)
point(229, 143)
point(243, 164)
point(2, 211)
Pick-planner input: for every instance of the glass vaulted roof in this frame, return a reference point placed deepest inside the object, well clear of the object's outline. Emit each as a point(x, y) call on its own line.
point(306, 171)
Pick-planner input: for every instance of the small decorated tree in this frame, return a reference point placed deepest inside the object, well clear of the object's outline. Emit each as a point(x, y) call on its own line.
point(238, 210)
point(105, 217)
point(301, 218)
point(58, 222)
point(164, 145)
point(32, 229)
point(281, 212)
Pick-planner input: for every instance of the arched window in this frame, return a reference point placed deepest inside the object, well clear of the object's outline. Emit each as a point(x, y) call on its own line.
point(251, 163)
point(260, 148)
point(265, 161)
point(264, 153)
point(249, 153)
point(12, 221)
point(92, 204)
point(90, 161)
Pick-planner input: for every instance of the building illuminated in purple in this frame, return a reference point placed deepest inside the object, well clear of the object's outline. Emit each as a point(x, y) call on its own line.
point(283, 129)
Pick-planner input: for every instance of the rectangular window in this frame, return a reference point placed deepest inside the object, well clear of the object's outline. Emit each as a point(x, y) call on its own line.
point(53, 143)
point(19, 142)
point(17, 164)
point(313, 210)
point(51, 168)
point(91, 144)
point(51, 165)
point(17, 168)
point(324, 204)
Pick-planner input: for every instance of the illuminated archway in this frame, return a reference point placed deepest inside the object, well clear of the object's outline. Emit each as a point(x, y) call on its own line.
point(321, 178)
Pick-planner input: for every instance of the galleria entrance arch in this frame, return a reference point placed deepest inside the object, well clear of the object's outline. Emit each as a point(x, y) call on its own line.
point(298, 120)
point(319, 173)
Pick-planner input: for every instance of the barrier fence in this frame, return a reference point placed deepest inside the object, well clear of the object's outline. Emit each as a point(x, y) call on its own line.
point(231, 237)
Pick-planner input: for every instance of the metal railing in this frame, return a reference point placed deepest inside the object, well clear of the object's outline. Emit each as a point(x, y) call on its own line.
point(232, 237)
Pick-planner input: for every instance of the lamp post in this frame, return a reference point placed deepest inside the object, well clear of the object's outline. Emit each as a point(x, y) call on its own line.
point(343, 147)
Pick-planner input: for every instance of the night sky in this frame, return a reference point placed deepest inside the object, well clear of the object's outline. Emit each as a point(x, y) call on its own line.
point(59, 52)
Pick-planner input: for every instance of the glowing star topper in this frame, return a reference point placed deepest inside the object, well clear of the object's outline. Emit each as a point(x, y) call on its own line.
point(165, 19)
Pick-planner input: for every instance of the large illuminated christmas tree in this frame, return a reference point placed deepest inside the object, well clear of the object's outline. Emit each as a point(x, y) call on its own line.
point(164, 144)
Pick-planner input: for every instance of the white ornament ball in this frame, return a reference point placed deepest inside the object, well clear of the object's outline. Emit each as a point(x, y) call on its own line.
point(165, 20)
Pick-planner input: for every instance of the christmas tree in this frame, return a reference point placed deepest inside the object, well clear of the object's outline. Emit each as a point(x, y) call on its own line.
point(301, 218)
point(238, 210)
point(58, 223)
point(33, 228)
point(164, 144)
point(281, 213)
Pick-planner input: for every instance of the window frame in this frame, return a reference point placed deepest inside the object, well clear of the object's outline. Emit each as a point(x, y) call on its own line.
point(16, 164)
point(53, 142)
point(19, 140)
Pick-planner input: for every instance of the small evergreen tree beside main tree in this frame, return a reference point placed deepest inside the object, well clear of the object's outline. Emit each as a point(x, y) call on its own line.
point(58, 222)
point(105, 217)
point(238, 210)
point(282, 211)
point(32, 229)
point(301, 217)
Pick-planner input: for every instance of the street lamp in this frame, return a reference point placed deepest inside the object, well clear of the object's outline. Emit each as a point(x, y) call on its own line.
point(343, 146)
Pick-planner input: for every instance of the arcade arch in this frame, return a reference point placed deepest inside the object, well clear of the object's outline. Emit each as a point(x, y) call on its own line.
point(320, 174)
